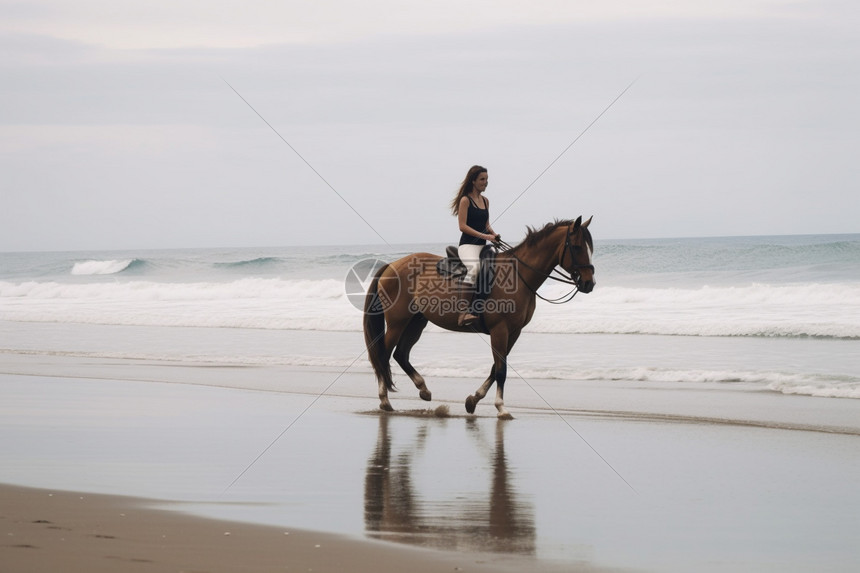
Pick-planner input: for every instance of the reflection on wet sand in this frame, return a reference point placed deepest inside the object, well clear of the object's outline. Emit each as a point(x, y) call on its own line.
point(395, 509)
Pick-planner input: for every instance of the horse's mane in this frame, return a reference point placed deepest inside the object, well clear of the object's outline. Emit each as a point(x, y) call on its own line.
point(534, 236)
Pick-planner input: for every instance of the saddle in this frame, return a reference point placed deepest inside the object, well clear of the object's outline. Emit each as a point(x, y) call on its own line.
point(452, 268)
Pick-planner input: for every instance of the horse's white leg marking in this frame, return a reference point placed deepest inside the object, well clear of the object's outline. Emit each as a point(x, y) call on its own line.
point(473, 399)
point(384, 404)
point(482, 391)
point(500, 404)
point(418, 380)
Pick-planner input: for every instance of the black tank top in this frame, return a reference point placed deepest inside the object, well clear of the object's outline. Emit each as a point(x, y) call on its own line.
point(477, 219)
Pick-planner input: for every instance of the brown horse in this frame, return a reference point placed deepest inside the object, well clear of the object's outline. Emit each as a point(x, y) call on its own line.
point(406, 294)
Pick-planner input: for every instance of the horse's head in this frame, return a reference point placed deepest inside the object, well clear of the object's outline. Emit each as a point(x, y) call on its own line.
point(576, 257)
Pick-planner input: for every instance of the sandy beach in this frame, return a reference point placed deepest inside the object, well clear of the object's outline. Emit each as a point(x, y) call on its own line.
point(611, 477)
point(47, 530)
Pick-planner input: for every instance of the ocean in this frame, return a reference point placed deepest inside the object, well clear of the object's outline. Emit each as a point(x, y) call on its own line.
point(776, 314)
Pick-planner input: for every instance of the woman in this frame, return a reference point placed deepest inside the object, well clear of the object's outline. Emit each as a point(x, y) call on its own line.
point(473, 213)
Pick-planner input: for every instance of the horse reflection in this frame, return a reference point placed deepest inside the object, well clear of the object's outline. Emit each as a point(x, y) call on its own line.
point(395, 510)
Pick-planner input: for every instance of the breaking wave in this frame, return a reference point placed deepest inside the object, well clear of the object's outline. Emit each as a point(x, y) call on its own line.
point(110, 267)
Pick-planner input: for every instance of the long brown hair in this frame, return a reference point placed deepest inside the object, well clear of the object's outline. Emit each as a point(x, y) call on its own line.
point(466, 186)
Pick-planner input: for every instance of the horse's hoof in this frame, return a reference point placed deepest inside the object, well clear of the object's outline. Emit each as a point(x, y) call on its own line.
point(505, 416)
point(470, 404)
point(386, 407)
point(425, 395)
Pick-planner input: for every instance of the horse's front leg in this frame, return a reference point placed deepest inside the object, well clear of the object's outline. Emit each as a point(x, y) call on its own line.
point(473, 400)
point(500, 342)
point(501, 375)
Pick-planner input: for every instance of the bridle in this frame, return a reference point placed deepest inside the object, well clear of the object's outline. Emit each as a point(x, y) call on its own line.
point(572, 279)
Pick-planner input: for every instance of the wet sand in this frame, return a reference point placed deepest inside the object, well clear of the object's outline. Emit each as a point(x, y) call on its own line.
point(44, 530)
point(613, 476)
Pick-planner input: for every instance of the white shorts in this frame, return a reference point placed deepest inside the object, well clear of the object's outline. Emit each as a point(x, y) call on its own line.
point(471, 257)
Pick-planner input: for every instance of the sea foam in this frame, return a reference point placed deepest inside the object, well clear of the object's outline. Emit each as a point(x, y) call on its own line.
point(244, 303)
point(824, 311)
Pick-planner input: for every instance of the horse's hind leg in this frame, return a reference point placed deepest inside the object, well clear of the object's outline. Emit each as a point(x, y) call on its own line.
point(401, 354)
point(473, 400)
point(392, 338)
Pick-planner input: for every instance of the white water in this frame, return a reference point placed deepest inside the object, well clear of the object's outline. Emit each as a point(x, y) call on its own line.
point(101, 267)
point(818, 310)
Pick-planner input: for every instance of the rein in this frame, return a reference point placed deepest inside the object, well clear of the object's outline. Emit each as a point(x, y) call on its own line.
point(562, 278)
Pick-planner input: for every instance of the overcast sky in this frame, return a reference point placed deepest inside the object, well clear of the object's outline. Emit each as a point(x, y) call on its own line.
point(119, 131)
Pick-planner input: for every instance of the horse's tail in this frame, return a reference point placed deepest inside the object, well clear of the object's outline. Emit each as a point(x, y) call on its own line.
point(374, 332)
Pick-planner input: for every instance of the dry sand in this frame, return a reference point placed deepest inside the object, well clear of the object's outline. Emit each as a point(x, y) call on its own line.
point(46, 530)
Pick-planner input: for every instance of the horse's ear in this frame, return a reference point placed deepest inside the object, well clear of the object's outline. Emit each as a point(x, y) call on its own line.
point(576, 224)
point(587, 222)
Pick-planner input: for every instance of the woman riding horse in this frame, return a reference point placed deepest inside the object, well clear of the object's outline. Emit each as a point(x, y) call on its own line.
point(473, 214)
point(406, 294)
